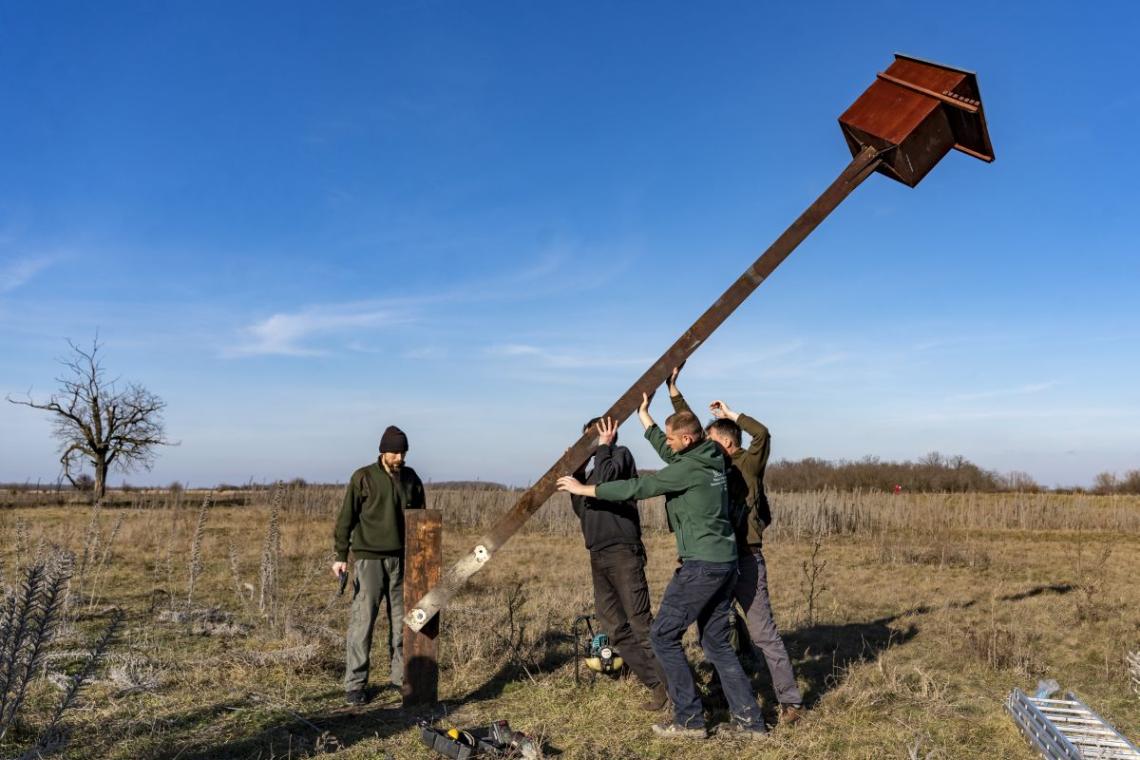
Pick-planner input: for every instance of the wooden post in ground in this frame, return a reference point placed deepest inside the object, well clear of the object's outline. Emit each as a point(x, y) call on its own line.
point(423, 565)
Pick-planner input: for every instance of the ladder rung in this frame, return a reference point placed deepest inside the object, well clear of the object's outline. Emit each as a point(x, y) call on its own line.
point(1067, 729)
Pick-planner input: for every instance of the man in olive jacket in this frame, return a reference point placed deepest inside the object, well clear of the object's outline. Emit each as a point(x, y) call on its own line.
point(751, 514)
point(696, 504)
point(371, 524)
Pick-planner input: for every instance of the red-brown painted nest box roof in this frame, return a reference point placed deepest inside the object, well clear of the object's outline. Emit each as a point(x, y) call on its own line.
point(917, 111)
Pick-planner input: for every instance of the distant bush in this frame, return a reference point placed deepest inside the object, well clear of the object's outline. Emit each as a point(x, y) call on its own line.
point(931, 473)
point(1109, 483)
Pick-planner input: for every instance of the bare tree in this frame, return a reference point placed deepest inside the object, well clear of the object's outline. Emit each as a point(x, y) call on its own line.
point(98, 424)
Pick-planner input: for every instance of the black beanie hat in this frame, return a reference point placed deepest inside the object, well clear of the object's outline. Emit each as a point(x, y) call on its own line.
point(393, 440)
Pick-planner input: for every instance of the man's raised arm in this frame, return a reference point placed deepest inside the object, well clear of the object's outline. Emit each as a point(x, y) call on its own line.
point(679, 403)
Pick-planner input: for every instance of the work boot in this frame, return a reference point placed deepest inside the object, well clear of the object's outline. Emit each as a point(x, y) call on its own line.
point(658, 699)
point(789, 714)
point(739, 730)
point(356, 697)
point(673, 731)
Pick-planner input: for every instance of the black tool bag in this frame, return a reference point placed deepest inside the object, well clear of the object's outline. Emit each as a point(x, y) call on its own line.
point(440, 742)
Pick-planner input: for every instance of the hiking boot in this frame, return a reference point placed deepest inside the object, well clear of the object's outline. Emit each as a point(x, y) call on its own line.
point(658, 699)
point(356, 697)
point(673, 731)
point(789, 714)
point(738, 730)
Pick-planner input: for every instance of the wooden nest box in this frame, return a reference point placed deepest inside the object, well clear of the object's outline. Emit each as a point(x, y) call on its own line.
point(916, 111)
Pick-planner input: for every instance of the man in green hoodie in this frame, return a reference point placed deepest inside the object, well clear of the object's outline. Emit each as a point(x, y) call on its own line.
point(696, 503)
point(751, 515)
point(371, 524)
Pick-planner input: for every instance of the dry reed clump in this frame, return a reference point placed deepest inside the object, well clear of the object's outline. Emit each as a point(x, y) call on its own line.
point(798, 514)
point(30, 618)
point(196, 550)
point(1004, 646)
point(1090, 568)
point(267, 598)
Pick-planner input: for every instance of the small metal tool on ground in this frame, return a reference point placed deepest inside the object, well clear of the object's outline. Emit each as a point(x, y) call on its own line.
point(593, 648)
point(1067, 729)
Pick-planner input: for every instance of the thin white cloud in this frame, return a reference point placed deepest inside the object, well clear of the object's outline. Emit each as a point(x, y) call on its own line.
point(1021, 390)
point(309, 331)
point(18, 272)
point(564, 359)
point(293, 334)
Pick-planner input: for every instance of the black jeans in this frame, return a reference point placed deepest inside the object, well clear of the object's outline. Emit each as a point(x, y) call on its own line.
point(701, 592)
point(621, 602)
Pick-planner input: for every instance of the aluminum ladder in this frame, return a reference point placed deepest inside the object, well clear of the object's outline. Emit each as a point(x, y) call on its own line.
point(1066, 729)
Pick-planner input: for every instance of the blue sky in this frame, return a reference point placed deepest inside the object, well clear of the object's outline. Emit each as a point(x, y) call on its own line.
point(299, 223)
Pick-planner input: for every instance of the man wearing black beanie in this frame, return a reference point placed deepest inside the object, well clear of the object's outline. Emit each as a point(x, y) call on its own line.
point(371, 524)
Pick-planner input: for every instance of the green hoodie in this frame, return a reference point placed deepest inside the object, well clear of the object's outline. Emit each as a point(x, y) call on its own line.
point(746, 486)
point(696, 497)
point(371, 520)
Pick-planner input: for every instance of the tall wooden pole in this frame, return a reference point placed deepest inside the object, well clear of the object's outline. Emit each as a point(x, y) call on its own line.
point(423, 564)
point(862, 165)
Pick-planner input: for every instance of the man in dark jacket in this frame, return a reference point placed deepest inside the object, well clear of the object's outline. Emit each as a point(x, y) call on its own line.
point(696, 504)
point(371, 524)
point(612, 530)
point(751, 514)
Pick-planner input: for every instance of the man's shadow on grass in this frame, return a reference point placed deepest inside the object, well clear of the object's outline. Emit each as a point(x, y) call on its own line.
point(822, 653)
point(293, 734)
point(340, 728)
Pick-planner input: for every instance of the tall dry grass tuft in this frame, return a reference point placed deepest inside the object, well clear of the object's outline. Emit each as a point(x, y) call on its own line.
point(29, 619)
point(1133, 661)
point(196, 550)
point(91, 542)
point(1091, 577)
point(240, 589)
point(21, 558)
point(52, 739)
point(104, 558)
point(267, 598)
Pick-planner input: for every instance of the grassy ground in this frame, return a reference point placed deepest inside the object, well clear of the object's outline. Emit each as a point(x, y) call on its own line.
point(915, 634)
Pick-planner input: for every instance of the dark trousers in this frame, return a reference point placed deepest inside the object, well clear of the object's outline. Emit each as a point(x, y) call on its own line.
point(752, 593)
point(701, 592)
point(621, 603)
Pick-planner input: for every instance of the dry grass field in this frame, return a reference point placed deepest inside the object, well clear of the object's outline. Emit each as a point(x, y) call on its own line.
point(926, 611)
